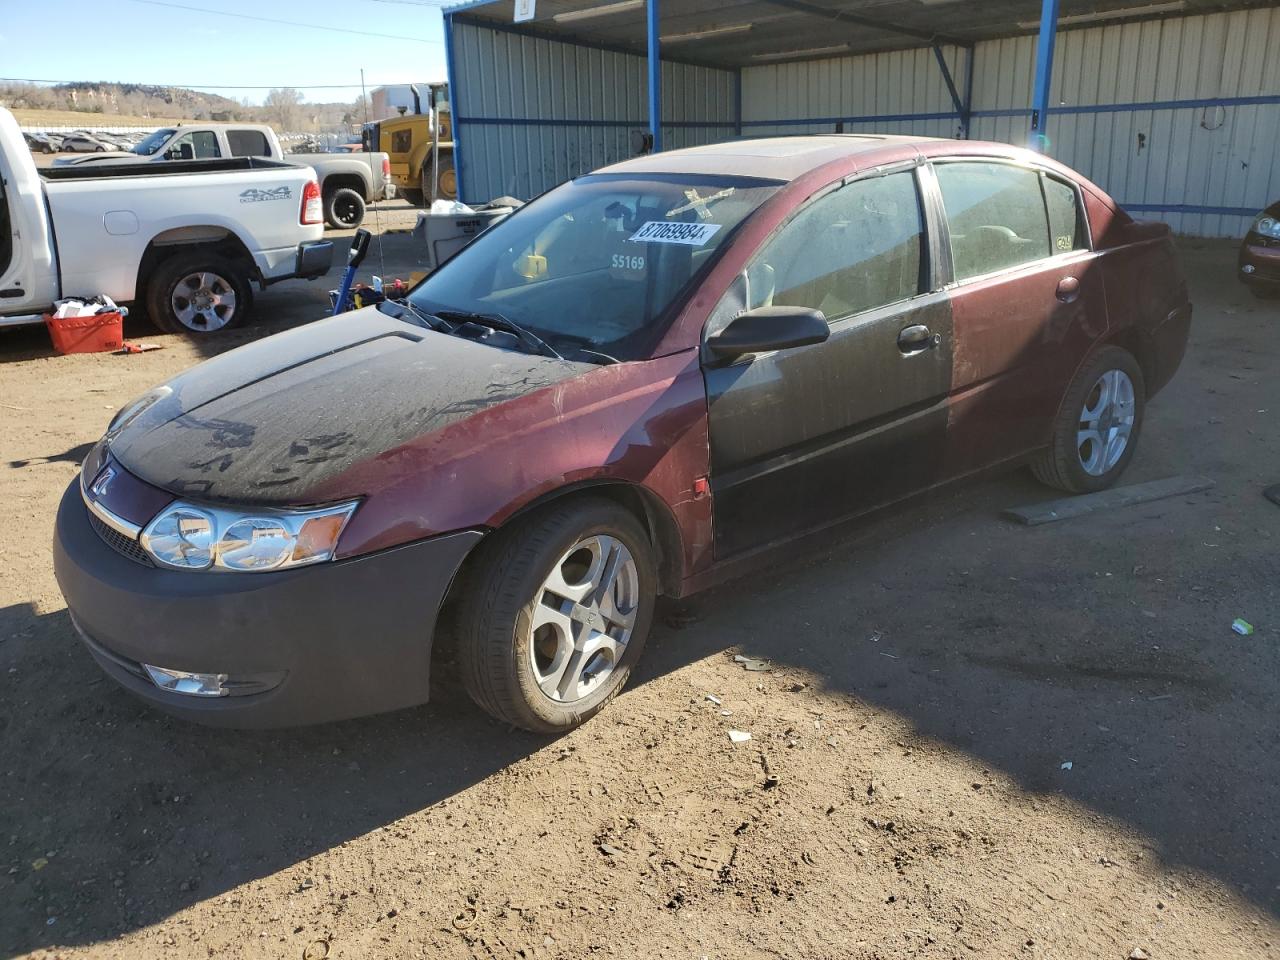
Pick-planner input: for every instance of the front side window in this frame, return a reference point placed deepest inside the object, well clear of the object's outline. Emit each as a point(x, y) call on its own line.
point(199, 145)
point(153, 142)
point(248, 143)
point(855, 249)
point(996, 216)
point(595, 264)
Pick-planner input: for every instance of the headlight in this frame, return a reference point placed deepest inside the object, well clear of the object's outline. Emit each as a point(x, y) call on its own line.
point(189, 537)
point(1268, 226)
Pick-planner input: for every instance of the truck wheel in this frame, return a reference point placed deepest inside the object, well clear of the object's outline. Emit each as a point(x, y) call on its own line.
point(555, 615)
point(413, 196)
point(1097, 427)
point(199, 293)
point(343, 208)
point(448, 185)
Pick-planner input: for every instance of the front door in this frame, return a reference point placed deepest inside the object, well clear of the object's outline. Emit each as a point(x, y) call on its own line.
point(803, 437)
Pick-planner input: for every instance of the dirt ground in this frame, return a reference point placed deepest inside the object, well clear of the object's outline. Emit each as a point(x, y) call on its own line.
point(989, 740)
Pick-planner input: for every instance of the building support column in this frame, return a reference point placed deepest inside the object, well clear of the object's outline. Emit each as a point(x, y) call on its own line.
point(1044, 73)
point(655, 79)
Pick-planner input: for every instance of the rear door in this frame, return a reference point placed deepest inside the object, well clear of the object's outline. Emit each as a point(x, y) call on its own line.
point(801, 438)
point(1027, 303)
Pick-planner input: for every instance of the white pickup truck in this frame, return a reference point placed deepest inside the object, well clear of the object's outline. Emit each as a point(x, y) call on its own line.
point(187, 241)
point(347, 180)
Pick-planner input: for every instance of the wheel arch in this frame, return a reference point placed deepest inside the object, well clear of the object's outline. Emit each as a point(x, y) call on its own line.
point(181, 240)
point(338, 181)
point(1134, 342)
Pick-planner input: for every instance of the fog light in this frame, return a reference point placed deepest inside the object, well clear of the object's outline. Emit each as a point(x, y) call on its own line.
point(191, 684)
point(1247, 268)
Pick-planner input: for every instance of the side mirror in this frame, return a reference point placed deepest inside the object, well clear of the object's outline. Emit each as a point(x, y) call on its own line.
point(769, 328)
point(359, 247)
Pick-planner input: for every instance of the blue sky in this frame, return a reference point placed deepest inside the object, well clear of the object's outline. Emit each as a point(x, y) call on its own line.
point(133, 41)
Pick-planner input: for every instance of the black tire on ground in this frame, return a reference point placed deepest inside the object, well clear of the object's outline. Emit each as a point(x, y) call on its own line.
point(448, 183)
point(504, 587)
point(1059, 465)
point(413, 196)
point(343, 208)
point(224, 276)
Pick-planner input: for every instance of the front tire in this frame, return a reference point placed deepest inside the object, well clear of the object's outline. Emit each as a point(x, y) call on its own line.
point(1097, 427)
point(199, 293)
point(556, 614)
point(344, 208)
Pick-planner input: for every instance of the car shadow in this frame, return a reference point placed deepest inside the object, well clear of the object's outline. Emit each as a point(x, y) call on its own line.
point(1169, 737)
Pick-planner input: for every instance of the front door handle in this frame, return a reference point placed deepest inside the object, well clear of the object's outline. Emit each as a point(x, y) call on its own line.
point(1068, 289)
point(917, 337)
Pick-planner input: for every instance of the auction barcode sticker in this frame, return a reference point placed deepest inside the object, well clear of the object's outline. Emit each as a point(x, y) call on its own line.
point(661, 231)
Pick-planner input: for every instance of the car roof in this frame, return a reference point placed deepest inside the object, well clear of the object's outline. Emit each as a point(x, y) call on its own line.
point(773, 158)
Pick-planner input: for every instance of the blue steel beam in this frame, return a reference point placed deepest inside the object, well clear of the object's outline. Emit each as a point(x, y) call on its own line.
point(655, 78)
point(967, 117)
point(1044, 73)
point(451, 75)
point(961, 107)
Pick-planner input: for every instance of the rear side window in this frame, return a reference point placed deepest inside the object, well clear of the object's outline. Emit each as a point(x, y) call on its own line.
point(996, 216)
point(248, 143)
point(1066, 225)
point(855, 249)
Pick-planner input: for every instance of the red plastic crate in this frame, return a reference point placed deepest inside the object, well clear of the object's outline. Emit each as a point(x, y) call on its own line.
point(99, 333)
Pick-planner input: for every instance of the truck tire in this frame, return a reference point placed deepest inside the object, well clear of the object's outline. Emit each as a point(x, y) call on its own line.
point(412, 195)
point(448, 184)
point(343, 208)
point(199, 293)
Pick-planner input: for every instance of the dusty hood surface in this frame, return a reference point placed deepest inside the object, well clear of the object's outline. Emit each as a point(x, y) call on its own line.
point(270, 422)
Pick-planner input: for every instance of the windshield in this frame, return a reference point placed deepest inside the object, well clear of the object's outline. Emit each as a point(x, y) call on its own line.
point(152, 142)
point(593, 266)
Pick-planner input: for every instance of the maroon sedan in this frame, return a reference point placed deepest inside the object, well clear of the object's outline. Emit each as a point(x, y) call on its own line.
point(639, 384)
point(1259, 260)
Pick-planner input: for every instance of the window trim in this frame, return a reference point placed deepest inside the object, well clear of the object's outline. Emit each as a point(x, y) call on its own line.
point(1042, 171)
point(929, 264)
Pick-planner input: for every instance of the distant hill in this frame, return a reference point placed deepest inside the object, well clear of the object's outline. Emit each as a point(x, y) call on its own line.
point(131, 104)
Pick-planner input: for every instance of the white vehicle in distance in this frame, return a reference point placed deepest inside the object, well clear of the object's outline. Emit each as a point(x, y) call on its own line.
point(347, 182)
point(187, 241)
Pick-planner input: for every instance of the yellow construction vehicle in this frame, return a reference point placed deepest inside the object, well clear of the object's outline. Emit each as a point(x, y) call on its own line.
point(420, 146)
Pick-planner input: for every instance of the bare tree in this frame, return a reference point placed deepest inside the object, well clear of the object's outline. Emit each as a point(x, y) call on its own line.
point(283, 108)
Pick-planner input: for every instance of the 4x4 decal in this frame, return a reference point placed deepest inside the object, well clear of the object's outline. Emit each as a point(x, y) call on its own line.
point(254, 195)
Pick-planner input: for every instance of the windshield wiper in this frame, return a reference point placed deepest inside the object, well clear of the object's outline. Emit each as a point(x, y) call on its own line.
point(430, 321)
point(497, 321)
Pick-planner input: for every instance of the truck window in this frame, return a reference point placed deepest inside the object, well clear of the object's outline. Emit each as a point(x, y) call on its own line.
point(248, 143)
point(197, 145)
point(402, 141)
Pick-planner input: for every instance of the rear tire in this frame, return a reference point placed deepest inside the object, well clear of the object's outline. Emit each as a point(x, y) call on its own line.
point(1097, 426)
point(413, 196)
point(199, 293)
point(448, 182)
point(344, 208)
point(543, 641)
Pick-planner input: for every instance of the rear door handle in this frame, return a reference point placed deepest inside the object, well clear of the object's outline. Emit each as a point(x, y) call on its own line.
point(917, 337)
point(1068, 289)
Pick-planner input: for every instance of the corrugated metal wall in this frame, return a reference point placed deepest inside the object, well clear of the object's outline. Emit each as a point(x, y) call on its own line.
point(904, 84)
point(1155, 160)
point(532, 113)
point(1159, 160)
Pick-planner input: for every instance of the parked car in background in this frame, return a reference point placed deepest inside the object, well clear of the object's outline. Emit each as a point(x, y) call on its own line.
point(185, 240)
point(346, 182)
point(1259, 260)
point(641, 382)
point(83, 143)
point(39, 143)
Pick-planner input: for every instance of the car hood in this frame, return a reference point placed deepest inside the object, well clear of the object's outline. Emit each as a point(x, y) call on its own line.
point(271, 422)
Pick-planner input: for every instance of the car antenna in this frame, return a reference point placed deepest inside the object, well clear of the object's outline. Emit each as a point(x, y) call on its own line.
point(377, 221)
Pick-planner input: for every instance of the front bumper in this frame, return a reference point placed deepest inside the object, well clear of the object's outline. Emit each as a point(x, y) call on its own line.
point(1259, 261)
point(333, 641)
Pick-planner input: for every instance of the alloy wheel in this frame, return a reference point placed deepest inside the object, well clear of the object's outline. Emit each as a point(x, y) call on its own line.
point(203, 301)
point(584, 616)
point(1106, 423)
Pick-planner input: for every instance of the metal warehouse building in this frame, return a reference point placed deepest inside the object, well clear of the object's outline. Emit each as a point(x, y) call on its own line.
point(1173, 107)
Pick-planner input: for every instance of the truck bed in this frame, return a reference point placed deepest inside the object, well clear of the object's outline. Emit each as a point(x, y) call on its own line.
point(153, 168)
